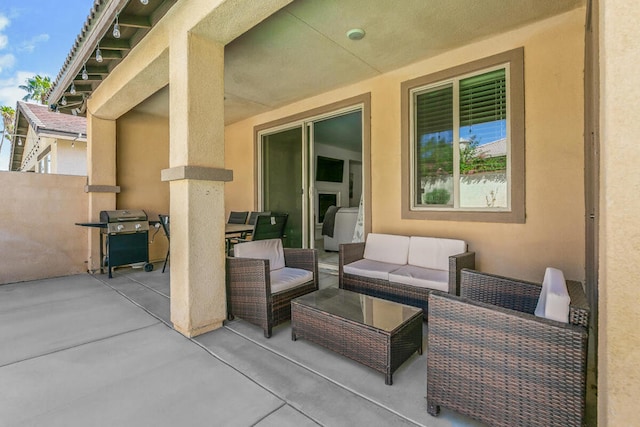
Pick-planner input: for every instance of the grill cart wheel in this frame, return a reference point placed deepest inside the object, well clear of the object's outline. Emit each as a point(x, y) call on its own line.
point(148, 267)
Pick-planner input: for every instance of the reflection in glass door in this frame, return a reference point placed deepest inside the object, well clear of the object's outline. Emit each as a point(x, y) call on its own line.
point(282, 180)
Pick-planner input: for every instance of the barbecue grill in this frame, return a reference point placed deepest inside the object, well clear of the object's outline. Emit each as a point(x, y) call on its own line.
point(127, 238)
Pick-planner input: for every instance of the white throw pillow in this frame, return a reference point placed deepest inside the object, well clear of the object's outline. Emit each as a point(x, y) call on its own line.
point(270, 249)
point(554, 300)
point(388, 248)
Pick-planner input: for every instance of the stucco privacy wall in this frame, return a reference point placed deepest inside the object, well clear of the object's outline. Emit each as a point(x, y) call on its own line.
point(142, 151)
point(619, 340)
point(553, 234)
point(38, 238)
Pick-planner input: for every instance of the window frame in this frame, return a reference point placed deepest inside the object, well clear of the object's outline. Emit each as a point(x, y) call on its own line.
point(515, 128)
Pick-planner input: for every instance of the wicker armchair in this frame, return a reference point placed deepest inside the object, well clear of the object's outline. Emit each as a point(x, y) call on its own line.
point(249, 288)
point(492, 359)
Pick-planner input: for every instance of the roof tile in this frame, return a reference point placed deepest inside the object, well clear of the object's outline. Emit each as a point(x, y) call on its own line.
point(42, 119)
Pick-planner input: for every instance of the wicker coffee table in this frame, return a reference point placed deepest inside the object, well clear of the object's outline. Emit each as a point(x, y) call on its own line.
point(378, 333)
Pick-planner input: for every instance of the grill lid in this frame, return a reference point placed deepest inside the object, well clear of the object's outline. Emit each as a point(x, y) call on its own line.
point(123, 215)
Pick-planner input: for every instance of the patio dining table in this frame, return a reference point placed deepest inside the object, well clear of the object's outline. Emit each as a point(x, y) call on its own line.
point(237, 228)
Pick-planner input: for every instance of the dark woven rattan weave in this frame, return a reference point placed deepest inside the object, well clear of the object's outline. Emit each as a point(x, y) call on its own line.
point(249, 288)
point(398, 292)
point(381, 350)
point(492, 359)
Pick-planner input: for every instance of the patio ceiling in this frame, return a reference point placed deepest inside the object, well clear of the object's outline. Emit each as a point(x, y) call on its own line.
point(135, 20)
point(303, 50)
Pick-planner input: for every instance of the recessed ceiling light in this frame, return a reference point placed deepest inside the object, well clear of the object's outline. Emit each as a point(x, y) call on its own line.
point(355, 34)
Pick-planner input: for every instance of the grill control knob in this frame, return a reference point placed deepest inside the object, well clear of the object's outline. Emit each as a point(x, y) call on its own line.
point(137, 226)
point(120, 227)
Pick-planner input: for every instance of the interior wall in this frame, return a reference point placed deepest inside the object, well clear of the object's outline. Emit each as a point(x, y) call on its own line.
point(142, 151)
point(341, 187)
point(38, 235)
point(553, 234)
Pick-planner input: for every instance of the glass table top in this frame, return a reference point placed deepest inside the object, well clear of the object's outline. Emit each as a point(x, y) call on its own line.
point(371, 311)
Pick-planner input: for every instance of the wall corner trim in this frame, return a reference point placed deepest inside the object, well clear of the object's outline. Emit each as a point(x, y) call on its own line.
point(196, 172)
point(101, 188)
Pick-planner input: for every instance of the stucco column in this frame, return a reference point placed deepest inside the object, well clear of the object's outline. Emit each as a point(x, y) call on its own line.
point(101, 178)
point(619, 316)
point(196, 176)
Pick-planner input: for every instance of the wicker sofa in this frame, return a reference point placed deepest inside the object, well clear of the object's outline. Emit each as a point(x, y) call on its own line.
point(263, 278)
point(403, 269)
point(493, 359)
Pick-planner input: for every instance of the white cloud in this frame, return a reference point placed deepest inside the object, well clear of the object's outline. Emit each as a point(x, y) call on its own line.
point(4, 22)
point(10, 93)
point(30, 45)
point(7, 61)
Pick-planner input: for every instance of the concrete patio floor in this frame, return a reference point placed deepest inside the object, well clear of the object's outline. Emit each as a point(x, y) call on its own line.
point(87, 350)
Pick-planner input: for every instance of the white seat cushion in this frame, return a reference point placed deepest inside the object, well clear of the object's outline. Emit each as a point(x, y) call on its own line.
point(421, 277)
point(288, 277)
point(387, 248)
point(369, 268)
point(433, 252)
point(270, 249)
point(554, 299)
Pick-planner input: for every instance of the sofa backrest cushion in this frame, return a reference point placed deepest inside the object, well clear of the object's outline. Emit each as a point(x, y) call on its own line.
point(554, 299)
point(433, 252)
point(388, 248)
point(270, 249)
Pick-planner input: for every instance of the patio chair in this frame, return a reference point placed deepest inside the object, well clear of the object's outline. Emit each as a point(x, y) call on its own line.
point(267, 227)
point(164, 221)
point(237, 217)
point(493, 359)
point(263, 278)
point(253, 217)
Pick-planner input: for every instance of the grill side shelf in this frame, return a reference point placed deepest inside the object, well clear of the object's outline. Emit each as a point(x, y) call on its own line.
point(92, 224)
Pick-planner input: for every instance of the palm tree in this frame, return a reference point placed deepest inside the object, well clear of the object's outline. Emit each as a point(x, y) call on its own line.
point(8, 116)
point(37, 88)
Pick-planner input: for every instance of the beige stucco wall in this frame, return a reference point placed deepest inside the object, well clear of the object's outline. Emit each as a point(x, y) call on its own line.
point(553, 234)
point(30, 153)
point(619, 340)
point(142, 151)
point(69, 157)
point(38, 238)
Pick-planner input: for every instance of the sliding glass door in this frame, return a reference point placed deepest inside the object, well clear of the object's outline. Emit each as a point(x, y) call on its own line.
point(283, 180)
point(307, 166)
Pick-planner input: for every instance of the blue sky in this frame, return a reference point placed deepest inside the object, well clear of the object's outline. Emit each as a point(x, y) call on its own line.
point(35, 38)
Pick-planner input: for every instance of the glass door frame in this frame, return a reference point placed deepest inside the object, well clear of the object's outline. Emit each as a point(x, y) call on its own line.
point(304, 184)
point(308, 189)
point(359, 102)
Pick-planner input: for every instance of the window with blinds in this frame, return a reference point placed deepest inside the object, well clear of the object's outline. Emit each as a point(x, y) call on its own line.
point(460, 142)
point(463, 142)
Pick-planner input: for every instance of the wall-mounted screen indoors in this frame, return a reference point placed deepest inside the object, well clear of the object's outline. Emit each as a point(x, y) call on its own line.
point(329, 170)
